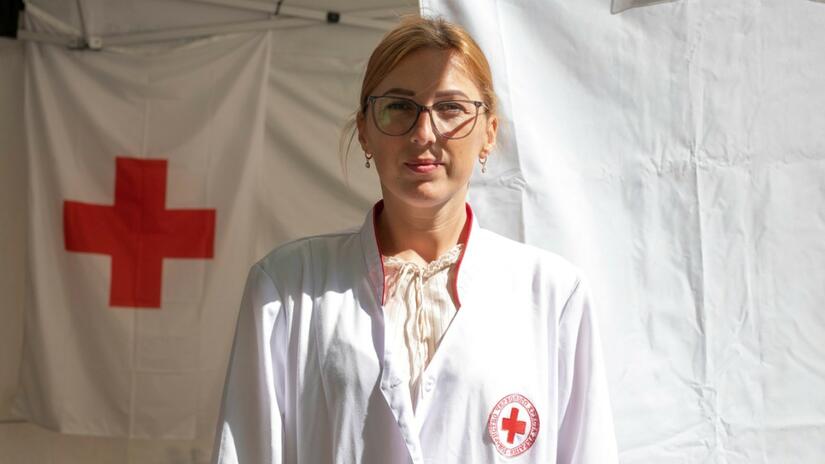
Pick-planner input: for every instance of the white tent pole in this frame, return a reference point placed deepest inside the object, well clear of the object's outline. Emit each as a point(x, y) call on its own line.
point(136, 38)
point(84, 31)
point(54, 39)
point(203, 31)
point(272, 8)
point(387, 12)
point(298, 12)
point(345, 18)
point(287, 17)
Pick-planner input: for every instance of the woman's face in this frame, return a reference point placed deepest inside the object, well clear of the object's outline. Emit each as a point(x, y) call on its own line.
point(422, 168)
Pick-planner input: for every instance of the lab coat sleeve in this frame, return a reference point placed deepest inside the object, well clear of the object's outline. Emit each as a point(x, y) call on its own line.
point(586, 433)
point(251, 424)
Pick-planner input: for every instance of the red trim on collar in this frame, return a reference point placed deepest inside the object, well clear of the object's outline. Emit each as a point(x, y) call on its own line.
point(464, 238)
point(376, 210)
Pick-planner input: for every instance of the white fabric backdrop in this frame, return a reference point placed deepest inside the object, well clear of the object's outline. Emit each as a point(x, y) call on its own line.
point(676, 157)
point(676, 152)
point(296, 188)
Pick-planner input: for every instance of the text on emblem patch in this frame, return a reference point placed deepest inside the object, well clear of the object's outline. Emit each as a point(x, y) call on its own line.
point(513, 425)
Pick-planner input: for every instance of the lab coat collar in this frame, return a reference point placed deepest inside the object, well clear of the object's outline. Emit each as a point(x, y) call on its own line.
point(375, 265)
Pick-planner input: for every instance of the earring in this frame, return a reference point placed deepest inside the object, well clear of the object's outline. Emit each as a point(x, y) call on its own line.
point(368, 157)
point(483, 161)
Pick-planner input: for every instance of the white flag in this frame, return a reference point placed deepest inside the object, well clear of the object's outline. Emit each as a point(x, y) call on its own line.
point(143, 172)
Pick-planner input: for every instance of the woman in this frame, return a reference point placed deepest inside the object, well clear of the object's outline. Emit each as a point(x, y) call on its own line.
point(420, 337)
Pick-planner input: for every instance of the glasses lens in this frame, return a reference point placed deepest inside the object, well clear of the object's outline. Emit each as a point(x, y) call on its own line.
point(394, 116)
point(454, 119)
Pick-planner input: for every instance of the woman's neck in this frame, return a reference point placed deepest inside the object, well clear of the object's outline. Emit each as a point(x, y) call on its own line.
point(420, 235)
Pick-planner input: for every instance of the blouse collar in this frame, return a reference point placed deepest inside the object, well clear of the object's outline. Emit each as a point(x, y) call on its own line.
point(375, 265)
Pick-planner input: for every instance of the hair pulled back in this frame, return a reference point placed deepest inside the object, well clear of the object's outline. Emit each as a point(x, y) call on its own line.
point(414, 33)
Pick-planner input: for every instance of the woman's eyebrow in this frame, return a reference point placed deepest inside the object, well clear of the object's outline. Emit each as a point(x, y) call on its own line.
point(442, 93)
point(445, 93)
point(400, 91)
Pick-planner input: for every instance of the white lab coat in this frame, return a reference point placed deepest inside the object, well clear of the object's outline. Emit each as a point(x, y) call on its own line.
point(311, 379)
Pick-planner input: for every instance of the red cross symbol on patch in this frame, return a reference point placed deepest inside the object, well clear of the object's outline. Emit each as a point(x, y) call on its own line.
point(138, 232)
point(513, 425)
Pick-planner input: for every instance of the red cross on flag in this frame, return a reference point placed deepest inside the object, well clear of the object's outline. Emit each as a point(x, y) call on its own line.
point(143, 174)
point(138, 232)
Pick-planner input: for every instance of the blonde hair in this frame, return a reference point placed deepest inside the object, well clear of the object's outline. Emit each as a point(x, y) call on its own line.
point(414, 33)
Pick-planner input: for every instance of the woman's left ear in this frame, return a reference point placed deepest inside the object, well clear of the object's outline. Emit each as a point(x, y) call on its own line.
point(360, 124)
point(492, 132)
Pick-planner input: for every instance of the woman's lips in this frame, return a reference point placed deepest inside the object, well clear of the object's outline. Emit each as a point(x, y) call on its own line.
point(422, 168)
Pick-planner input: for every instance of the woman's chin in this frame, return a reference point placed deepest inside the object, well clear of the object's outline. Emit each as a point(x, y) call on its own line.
point(425, 197)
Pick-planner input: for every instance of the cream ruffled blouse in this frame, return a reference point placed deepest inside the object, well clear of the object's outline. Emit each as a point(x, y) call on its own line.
point(418, 311)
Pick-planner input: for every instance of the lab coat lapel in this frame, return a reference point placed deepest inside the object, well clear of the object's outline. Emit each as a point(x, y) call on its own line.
point(468, 264)
point(465, 267)
point(393, 388)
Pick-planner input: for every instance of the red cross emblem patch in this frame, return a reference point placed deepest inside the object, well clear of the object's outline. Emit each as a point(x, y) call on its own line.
point(513, 425)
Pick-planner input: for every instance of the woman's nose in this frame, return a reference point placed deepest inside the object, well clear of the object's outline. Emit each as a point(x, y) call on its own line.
point(423, 132)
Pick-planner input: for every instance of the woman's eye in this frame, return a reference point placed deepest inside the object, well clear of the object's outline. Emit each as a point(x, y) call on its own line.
point(450, 107)
point(451, 110)
point(400, 106)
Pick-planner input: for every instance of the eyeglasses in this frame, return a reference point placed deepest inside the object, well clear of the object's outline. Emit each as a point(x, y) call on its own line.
point(452, 119)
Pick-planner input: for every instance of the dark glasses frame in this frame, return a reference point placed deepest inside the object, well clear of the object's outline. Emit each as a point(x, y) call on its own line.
point(420, 109)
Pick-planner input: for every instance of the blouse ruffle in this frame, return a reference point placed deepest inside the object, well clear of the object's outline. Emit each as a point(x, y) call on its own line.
point(418, 310)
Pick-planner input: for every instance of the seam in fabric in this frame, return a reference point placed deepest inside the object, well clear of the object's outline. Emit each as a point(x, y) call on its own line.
point(567, 302)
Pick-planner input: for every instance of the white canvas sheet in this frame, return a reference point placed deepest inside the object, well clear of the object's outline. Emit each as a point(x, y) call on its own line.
point(676, 157)
point(675, 151)
point(310, 84)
